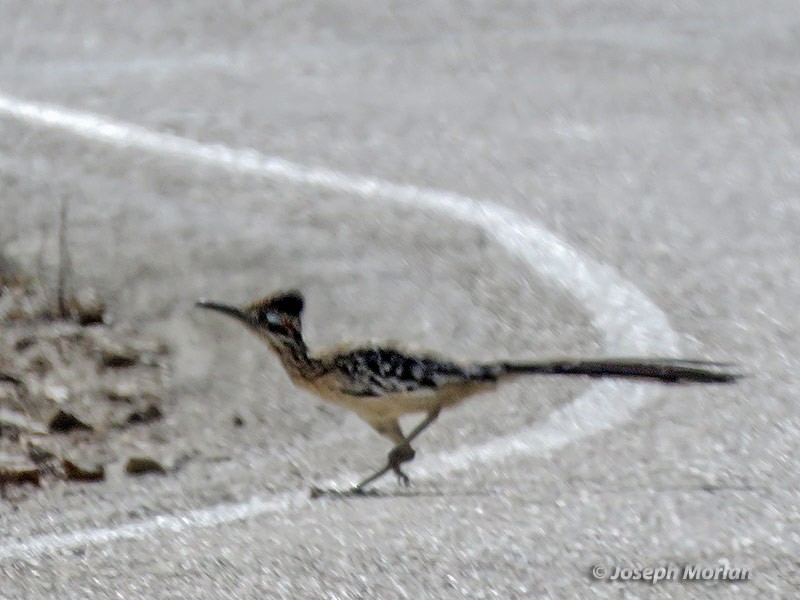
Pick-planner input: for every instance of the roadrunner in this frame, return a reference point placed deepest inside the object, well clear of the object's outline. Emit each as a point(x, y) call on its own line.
point(382, 383)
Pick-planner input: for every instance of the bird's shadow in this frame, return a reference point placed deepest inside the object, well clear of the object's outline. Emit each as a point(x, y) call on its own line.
point(316, 493)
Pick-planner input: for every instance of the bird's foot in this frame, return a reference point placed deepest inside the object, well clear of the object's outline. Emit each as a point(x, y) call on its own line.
point(402, 478)
point(397, 456)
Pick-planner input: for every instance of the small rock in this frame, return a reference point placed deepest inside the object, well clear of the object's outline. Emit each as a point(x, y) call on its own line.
point(64, 422)
point(9, 378)
point(24, 343)
point(122, 391)
point(139, 465)
point(117, 356)
point(87, 308)
point(151, 413)
point(77, 472)
point(19, 473)
point(56, 393)
point(238, 420)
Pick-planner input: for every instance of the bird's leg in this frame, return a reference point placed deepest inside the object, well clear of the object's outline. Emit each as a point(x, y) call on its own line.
point(402, 452)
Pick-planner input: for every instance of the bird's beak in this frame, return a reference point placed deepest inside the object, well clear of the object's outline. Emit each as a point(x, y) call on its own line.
point(225, 309)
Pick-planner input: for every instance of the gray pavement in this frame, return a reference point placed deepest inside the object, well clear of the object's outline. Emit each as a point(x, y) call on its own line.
point(662, 141)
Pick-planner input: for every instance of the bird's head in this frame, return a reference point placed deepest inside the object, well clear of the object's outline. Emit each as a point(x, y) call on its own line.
point(276, 317)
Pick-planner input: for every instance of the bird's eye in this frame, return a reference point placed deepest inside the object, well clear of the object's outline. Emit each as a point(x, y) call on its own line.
point(273, 318)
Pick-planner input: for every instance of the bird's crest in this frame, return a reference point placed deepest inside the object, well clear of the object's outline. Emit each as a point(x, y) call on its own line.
point(290, 303)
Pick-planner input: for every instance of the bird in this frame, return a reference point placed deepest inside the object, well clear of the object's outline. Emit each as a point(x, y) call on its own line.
point(382, 382)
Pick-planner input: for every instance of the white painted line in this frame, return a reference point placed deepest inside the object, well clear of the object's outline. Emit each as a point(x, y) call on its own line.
point(629, 321)
point(156, 65)
point(204, 517)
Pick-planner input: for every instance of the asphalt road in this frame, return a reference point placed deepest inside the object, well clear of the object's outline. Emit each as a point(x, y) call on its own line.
point(580, 178)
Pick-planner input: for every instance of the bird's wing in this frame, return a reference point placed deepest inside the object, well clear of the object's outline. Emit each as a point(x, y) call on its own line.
point(374, 371)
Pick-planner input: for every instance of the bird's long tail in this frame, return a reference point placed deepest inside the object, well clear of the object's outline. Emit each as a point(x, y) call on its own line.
point(669, 370)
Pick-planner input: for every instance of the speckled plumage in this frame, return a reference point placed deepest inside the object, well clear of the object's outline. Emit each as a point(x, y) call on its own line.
point(374, 371)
